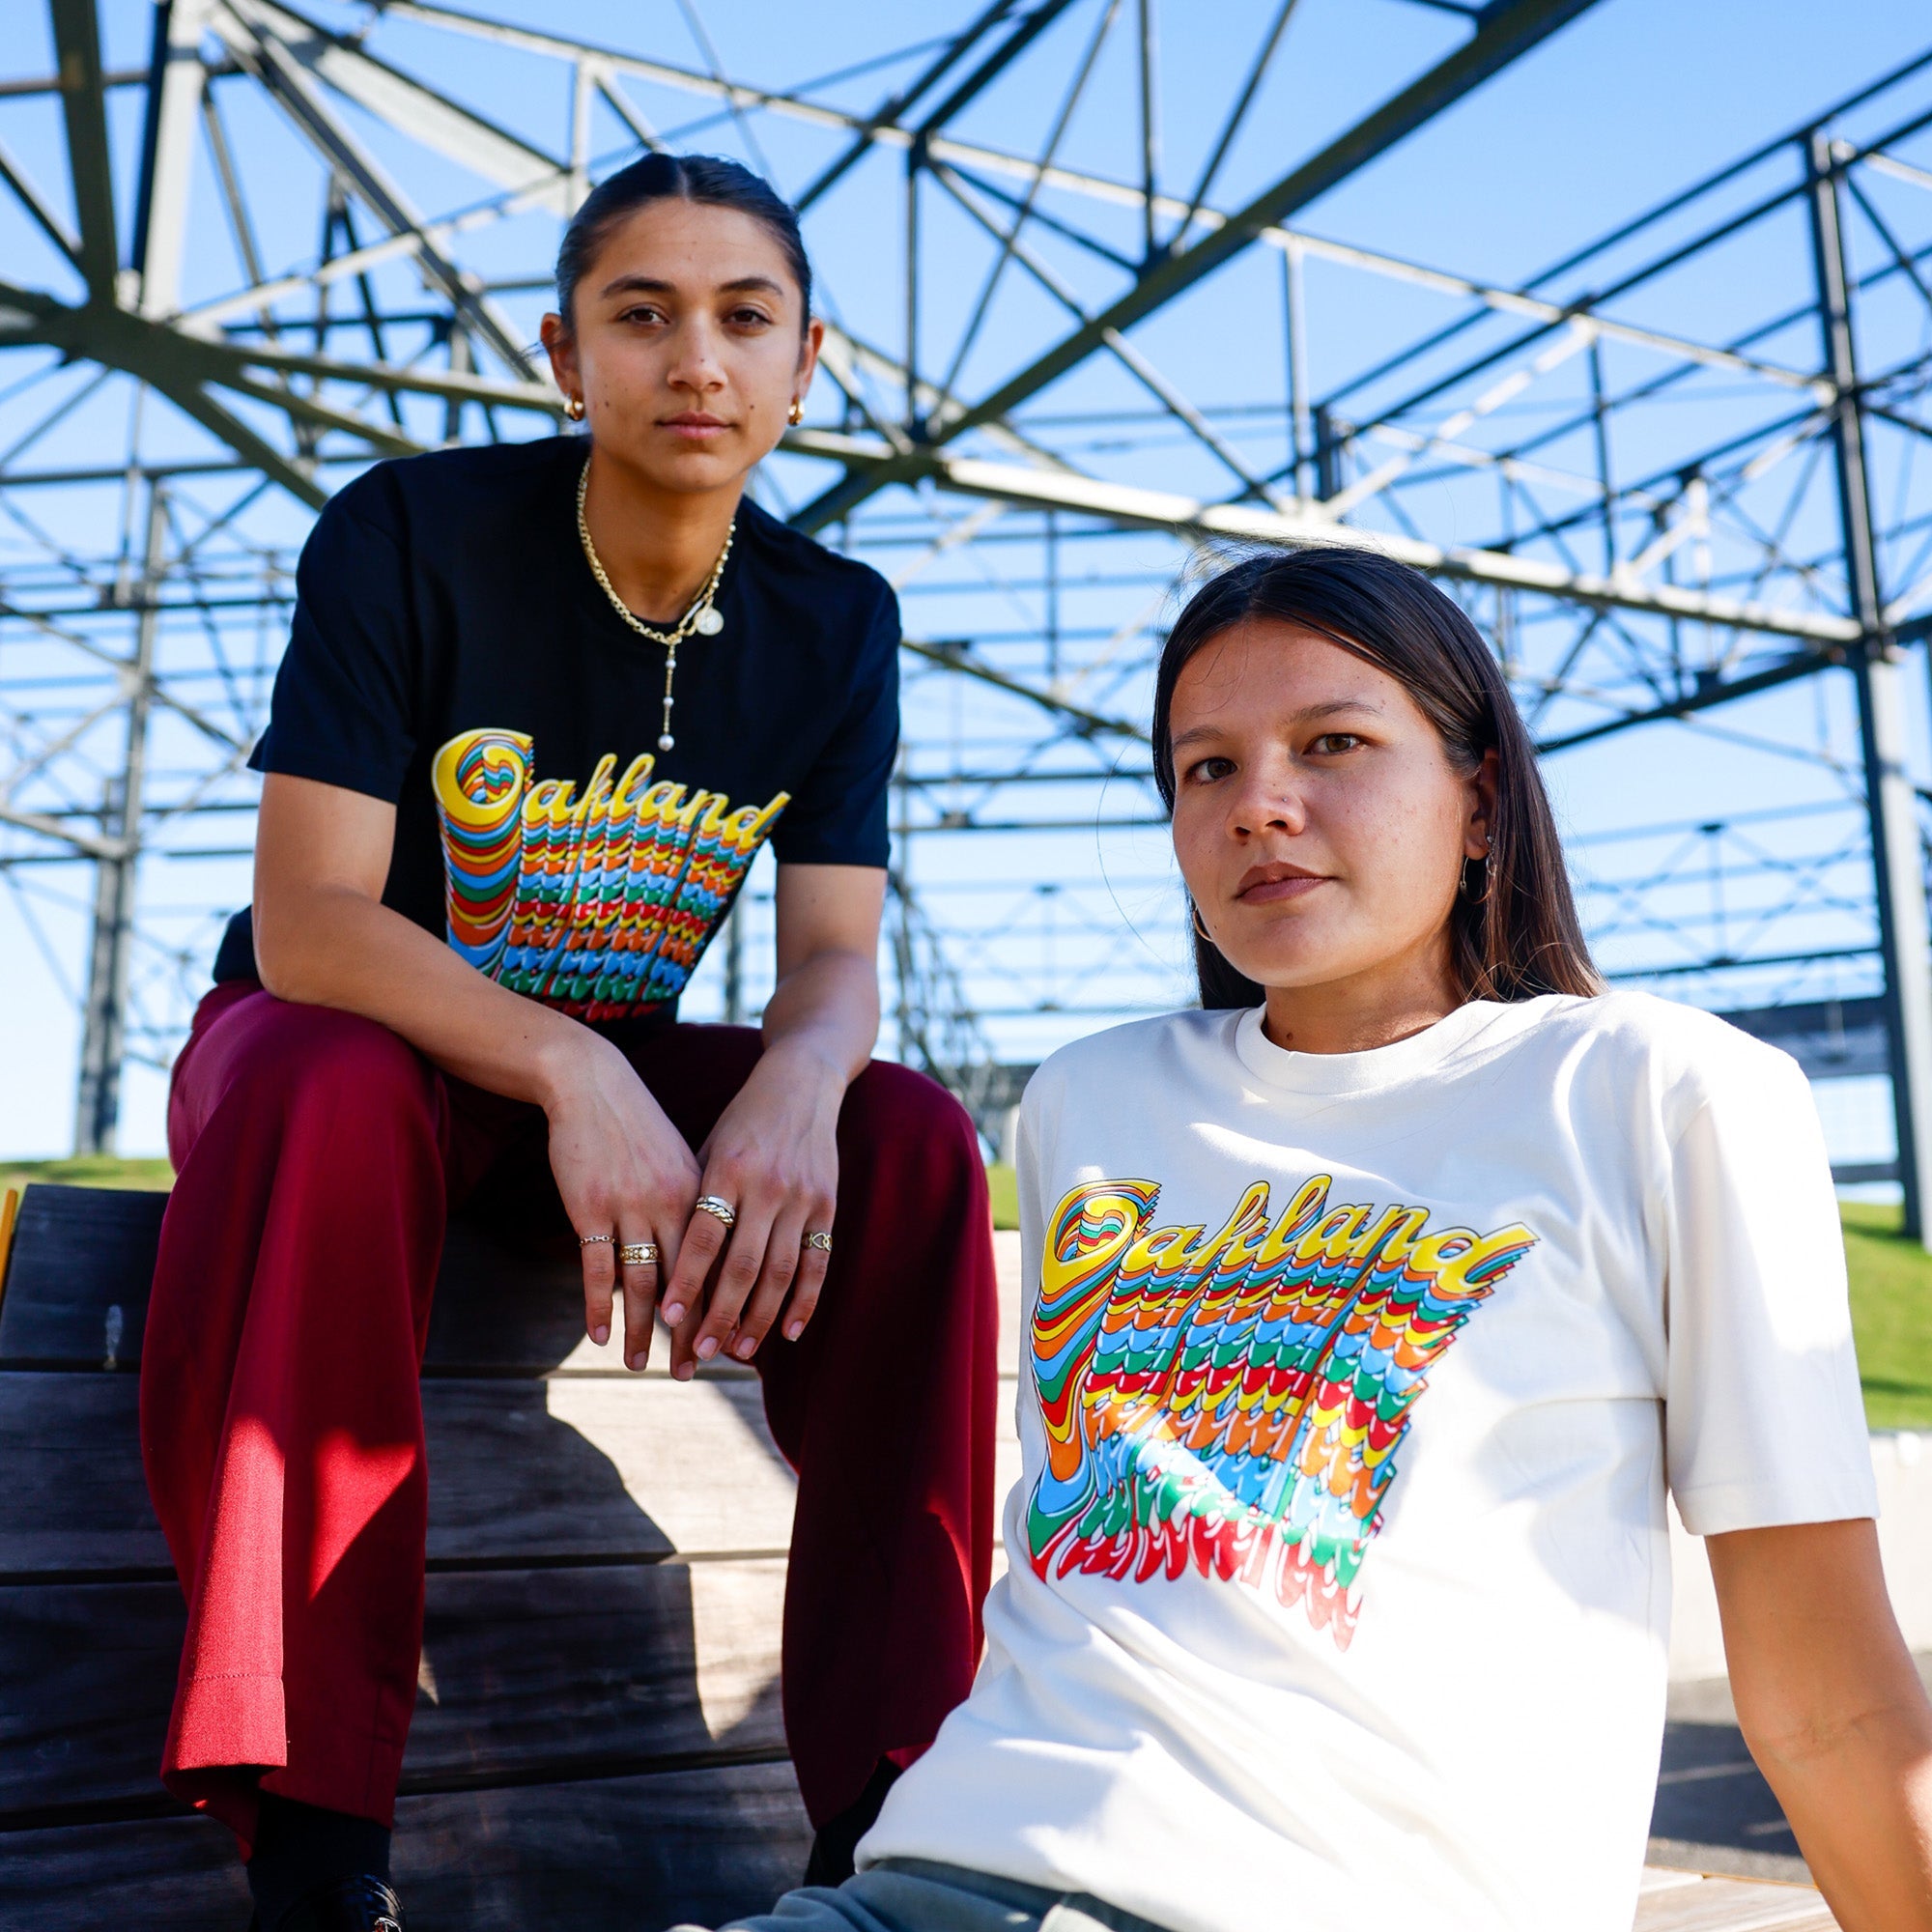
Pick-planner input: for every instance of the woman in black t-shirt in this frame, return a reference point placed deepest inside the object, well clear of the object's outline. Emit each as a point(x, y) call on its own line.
point(542, 706)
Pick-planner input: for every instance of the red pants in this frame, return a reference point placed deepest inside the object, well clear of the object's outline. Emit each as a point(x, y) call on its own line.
point(281, 1422)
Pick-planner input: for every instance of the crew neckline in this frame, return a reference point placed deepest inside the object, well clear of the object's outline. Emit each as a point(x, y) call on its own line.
point(1376, 1066)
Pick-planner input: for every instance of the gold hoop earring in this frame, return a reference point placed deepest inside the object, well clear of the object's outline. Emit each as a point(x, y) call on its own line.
point(1200, 930)
point(796, 413)
point(574, 408)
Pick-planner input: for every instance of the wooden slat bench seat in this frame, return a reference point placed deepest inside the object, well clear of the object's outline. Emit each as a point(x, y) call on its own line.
point(550, 1671)
point(520, 1472)
point(599, 1856)
point(597, 1738)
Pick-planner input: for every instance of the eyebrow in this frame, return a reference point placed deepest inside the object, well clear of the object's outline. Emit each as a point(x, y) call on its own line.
point(654, 285)
point(1308, 715)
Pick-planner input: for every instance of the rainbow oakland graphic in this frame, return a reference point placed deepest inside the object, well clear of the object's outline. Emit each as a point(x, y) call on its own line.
point(1234, 1401)
point(601, 904)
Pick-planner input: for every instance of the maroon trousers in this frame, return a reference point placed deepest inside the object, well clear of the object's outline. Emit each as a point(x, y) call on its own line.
point(281, 1423)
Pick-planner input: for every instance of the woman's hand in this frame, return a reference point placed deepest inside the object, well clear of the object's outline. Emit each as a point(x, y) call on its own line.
point(624, 1170)
point(773, 1156)
point(774, 1152)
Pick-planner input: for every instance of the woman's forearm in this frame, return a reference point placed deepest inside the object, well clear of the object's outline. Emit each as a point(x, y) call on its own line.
point(773, 1154)
point(1859, 1801)
point(825, 1011)
point(1830, 1705)
point(323, 937)
point(336, 947)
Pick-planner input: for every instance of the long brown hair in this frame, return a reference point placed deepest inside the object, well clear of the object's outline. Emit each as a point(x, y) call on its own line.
point(1513, 930)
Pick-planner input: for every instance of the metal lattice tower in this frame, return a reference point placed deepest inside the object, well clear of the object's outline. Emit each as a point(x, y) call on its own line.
point(271, 246)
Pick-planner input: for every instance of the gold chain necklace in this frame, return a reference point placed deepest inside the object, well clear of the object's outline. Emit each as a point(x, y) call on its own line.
point(701, 618)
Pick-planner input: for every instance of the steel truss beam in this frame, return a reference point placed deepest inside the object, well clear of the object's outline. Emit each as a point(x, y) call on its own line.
point(1506, 31)
point(1194, 519)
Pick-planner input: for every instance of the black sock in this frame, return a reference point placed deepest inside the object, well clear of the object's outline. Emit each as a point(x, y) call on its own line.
point(298, 1847)
point(838, 1838)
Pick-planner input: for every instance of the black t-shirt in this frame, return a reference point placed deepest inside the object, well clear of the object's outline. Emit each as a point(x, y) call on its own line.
point(453, 653)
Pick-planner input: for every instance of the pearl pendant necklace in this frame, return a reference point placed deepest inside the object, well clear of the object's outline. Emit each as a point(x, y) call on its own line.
point(702, 619)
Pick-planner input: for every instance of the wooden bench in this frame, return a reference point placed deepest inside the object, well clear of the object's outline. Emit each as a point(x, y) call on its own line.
point(597, 1739)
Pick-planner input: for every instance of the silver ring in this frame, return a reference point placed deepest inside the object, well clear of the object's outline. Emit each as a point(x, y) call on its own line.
point(817, 1238)
point(638, 1254)
point(717, 1209)
point(592, 1241)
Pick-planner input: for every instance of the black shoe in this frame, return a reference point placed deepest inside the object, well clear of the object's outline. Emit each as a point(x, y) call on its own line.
point(838, 1838)
point(363, 1904)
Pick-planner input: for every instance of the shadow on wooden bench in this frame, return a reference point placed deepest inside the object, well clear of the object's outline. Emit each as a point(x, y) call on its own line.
point(597, 1738)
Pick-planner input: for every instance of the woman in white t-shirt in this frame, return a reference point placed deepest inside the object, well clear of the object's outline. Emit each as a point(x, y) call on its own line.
point(1373, 1308)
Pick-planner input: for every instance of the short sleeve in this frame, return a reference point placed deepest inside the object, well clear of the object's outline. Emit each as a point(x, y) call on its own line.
point(839, 816)
point(341, 711)
point(1764, 1420)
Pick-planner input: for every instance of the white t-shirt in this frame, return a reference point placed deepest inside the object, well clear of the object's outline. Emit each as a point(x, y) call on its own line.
point(1339, 1583)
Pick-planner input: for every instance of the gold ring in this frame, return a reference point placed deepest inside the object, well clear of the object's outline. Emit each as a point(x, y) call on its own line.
point(717, 1209)
point(638, 1254)
point(817, 1238)
point(592, 1241)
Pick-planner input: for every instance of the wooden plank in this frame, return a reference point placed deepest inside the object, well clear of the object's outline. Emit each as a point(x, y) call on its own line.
point(83, 1261)
point(87, 1674)
point(503, 1305)
point(696, 1456)
point(78, 1275)
point(551, 1672)
point(71, 1493)
point(1732, 1905)
point(508, 1483)
point(642, 1853)
point(85, 1257)
point(162, 1874)
point(592, 1669)
point(521, 1472)
point(87, 1260)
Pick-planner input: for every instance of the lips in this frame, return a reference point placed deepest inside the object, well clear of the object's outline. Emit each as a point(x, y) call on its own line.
point(1269, 885)
point(694, 424)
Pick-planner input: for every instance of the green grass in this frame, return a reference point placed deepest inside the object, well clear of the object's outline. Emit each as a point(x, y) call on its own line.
point(1003, 1185)
point(87, 1169)
point(1892, 1310)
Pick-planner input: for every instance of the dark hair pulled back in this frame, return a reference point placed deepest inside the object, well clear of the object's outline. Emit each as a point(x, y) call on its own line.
point(709, 180)
point(1514, 929)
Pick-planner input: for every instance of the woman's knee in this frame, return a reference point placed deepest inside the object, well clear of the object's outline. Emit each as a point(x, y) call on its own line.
point(294, 1059)
point(891, 1108)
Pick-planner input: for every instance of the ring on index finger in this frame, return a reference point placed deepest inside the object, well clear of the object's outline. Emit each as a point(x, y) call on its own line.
point(592, 1241)
point(817, 1238)
point(638, 1254)
point(717, 1209)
